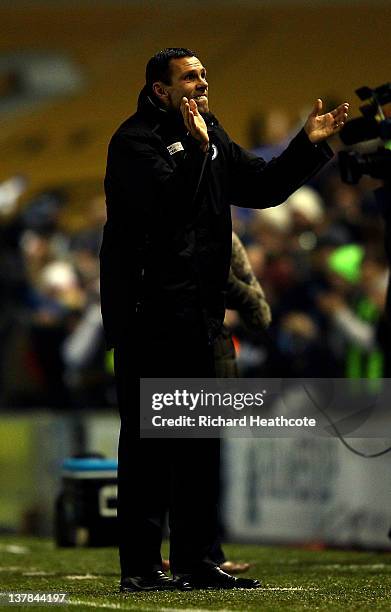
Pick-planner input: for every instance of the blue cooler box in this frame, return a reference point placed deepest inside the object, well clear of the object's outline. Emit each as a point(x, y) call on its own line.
point(86, 508)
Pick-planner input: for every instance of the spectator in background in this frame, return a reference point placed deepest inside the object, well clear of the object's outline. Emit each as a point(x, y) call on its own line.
point(354, 303)
point(298, 350)
point(59, 275)
point(270, 133)
point(83, 354)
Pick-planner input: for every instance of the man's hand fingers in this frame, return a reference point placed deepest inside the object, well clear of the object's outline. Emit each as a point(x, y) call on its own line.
point(344, 111)
point(341, 110)
point(340, 114)
point(189, 118)
point(192, 121)
point(185, 109)
point(193, 106)
point(318, 105)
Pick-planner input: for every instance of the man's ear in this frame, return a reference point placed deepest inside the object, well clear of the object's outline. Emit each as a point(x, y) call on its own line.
point(160, 91)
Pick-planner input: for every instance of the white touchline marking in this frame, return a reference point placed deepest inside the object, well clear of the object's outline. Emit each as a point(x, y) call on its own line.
point(354, 566)
point(10, 568)
point(288, 589)
point(91, 604)
point(81, 577)
point(14, 549)
point(38, 573)
point(136, 606)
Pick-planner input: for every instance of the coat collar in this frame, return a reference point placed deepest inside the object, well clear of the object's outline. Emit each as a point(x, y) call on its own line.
point(148, 106)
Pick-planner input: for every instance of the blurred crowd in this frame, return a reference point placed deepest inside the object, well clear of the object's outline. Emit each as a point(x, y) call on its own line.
point(52, 346)
point(319, 258)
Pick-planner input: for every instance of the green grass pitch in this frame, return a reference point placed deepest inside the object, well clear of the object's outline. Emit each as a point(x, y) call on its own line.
point(292, 578)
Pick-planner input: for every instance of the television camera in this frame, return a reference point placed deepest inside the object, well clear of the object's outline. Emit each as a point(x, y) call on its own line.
point(374, 125)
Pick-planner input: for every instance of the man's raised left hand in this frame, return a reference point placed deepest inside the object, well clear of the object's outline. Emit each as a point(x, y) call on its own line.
point(319, 127)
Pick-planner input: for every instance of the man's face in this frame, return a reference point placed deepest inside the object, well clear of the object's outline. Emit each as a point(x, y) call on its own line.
point(188, 79)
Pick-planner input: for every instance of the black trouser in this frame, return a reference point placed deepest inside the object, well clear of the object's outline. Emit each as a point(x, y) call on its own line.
point(153, 474)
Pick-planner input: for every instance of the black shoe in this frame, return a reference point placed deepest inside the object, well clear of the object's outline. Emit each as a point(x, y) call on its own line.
point(155, 581)
point(215, 578)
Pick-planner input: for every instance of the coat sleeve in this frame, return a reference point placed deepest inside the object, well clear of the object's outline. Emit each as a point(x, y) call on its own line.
point(258, 184)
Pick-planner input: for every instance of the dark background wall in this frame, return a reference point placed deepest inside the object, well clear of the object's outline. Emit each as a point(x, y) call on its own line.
point(258, 56)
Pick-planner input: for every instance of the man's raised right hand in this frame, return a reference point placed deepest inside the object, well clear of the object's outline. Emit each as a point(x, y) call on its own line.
point(195, 123)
